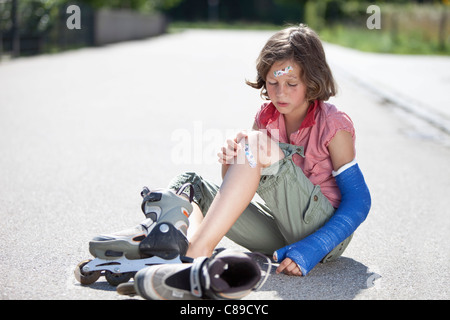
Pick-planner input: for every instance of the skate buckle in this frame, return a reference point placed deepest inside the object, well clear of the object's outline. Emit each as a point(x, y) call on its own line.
point(196, 287)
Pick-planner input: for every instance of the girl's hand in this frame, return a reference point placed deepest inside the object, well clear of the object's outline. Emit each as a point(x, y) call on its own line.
point(289, 267)
point(230, 149)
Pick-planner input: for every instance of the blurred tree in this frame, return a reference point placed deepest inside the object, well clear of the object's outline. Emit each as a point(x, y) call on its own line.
point(300, 4)
point(23, 23)
point(265, 11)
point(313, 12)
point(140, 5)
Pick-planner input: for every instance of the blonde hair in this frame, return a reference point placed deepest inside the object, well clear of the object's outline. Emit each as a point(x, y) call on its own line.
point(302, 45)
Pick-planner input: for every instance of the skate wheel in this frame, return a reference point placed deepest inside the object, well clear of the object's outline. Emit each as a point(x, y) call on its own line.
point(115, 279)
point(126, 289)
point(86, 278)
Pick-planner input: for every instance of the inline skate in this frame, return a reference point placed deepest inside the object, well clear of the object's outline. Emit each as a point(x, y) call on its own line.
point(159, 239)
point(228, 274)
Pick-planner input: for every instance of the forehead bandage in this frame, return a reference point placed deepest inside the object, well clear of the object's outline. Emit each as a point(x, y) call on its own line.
point(250, 157)
point(284, 71)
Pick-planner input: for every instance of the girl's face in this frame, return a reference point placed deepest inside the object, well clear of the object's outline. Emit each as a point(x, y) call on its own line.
point(285, 88)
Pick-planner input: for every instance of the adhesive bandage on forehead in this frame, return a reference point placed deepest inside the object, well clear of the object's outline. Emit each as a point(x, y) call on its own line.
point(284, 71)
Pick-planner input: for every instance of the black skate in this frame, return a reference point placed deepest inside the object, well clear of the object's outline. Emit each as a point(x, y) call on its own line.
point(228, 275)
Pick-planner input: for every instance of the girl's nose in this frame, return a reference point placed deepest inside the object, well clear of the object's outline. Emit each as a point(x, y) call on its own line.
point(280, 91)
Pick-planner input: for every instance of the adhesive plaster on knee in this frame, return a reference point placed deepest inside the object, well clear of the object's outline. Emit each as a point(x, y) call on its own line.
point(249, 156)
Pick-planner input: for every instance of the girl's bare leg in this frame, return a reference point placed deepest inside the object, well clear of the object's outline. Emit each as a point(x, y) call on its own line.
point(195, 219)
point(237, 190)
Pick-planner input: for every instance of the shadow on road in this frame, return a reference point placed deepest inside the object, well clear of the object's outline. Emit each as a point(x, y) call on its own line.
point(342, 279)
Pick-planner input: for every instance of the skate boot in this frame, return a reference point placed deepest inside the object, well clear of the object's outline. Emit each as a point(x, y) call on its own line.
point(229, 275)
point(160, 238)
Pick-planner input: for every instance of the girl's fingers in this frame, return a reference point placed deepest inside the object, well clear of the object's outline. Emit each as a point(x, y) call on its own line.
point(289, 267)
point(230, 150)
point(226, 155)
point(241, 135)
point(232, 146)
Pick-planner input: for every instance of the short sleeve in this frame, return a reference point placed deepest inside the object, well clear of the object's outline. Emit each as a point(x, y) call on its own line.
point(258, 118)
point(263, 115)
point(336, 122)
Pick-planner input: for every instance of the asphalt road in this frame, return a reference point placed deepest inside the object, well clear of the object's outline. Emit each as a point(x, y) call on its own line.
point(82, 132)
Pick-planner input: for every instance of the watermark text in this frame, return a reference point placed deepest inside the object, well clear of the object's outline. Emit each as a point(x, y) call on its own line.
point(374, 21)
point(74, 20)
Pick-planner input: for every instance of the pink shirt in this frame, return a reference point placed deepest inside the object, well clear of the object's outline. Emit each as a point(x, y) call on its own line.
point(319, 127)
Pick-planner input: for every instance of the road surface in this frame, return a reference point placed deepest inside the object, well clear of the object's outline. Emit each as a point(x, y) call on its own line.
point(82, 132)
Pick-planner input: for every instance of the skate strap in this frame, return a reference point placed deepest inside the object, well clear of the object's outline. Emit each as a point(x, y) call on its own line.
point(200, 277)
point(263, 279)
point(149, 196)
point(196, 271)
point(191, 191)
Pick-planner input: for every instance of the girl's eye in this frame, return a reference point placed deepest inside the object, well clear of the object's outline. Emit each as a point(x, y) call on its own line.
point(272, 83)
point(292, 84)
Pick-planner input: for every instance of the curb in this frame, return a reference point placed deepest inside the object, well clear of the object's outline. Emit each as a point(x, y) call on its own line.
point(408, 105)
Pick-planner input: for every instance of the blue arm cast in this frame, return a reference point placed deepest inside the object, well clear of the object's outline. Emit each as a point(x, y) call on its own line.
point(353, 210)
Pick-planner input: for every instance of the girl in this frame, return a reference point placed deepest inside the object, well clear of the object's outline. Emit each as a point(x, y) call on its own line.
point(300, 159)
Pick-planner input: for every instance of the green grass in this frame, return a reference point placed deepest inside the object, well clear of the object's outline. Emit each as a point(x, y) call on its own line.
point(382, 41)
point(363, 39)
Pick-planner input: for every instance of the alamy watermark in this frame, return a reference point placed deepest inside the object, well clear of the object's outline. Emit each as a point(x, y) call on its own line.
point(201, 146)
point(74, 20)
point(374, 21)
